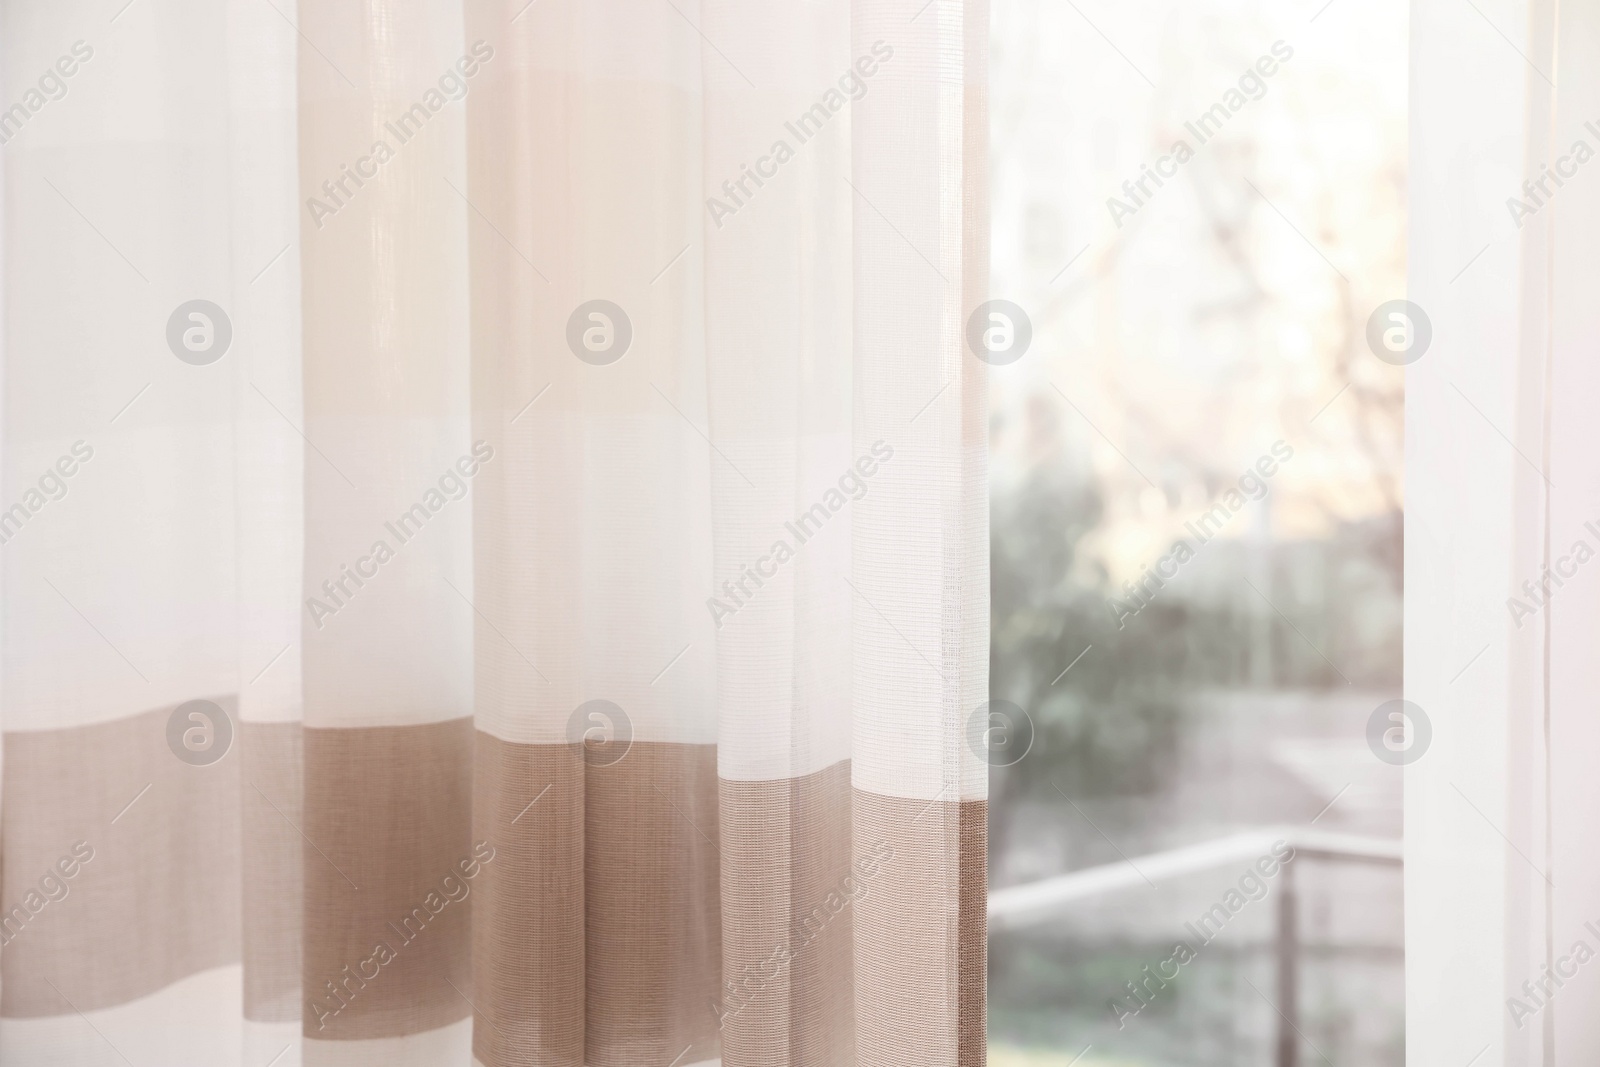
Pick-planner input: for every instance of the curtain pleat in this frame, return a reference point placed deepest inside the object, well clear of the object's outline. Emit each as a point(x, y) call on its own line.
point(582, 539)
point(1501, 529)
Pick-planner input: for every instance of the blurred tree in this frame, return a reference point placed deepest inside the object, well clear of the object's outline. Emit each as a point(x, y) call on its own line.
point(1111, 725)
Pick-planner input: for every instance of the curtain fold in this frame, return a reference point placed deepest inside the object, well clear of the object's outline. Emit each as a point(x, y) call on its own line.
point(1502, 881)
point(521, 594)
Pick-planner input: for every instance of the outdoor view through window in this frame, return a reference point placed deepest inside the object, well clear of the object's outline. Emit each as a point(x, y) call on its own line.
point(1194, 820)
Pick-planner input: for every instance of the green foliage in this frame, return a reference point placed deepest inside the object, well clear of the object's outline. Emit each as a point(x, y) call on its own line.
point(1109, 725)
point(1112, 723)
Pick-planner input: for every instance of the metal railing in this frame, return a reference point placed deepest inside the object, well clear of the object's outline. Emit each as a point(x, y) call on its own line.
point(1025, 905)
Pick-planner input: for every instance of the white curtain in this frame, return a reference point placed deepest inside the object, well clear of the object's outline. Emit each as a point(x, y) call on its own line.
point(542, 439)
point(1502, 525)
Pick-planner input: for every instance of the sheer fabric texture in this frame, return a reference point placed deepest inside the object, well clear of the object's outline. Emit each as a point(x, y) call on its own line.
point(1502, 877)
point(496, 561)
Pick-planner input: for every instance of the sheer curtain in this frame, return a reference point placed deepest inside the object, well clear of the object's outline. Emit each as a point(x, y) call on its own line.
point(495, 567)
point(1502, 525)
